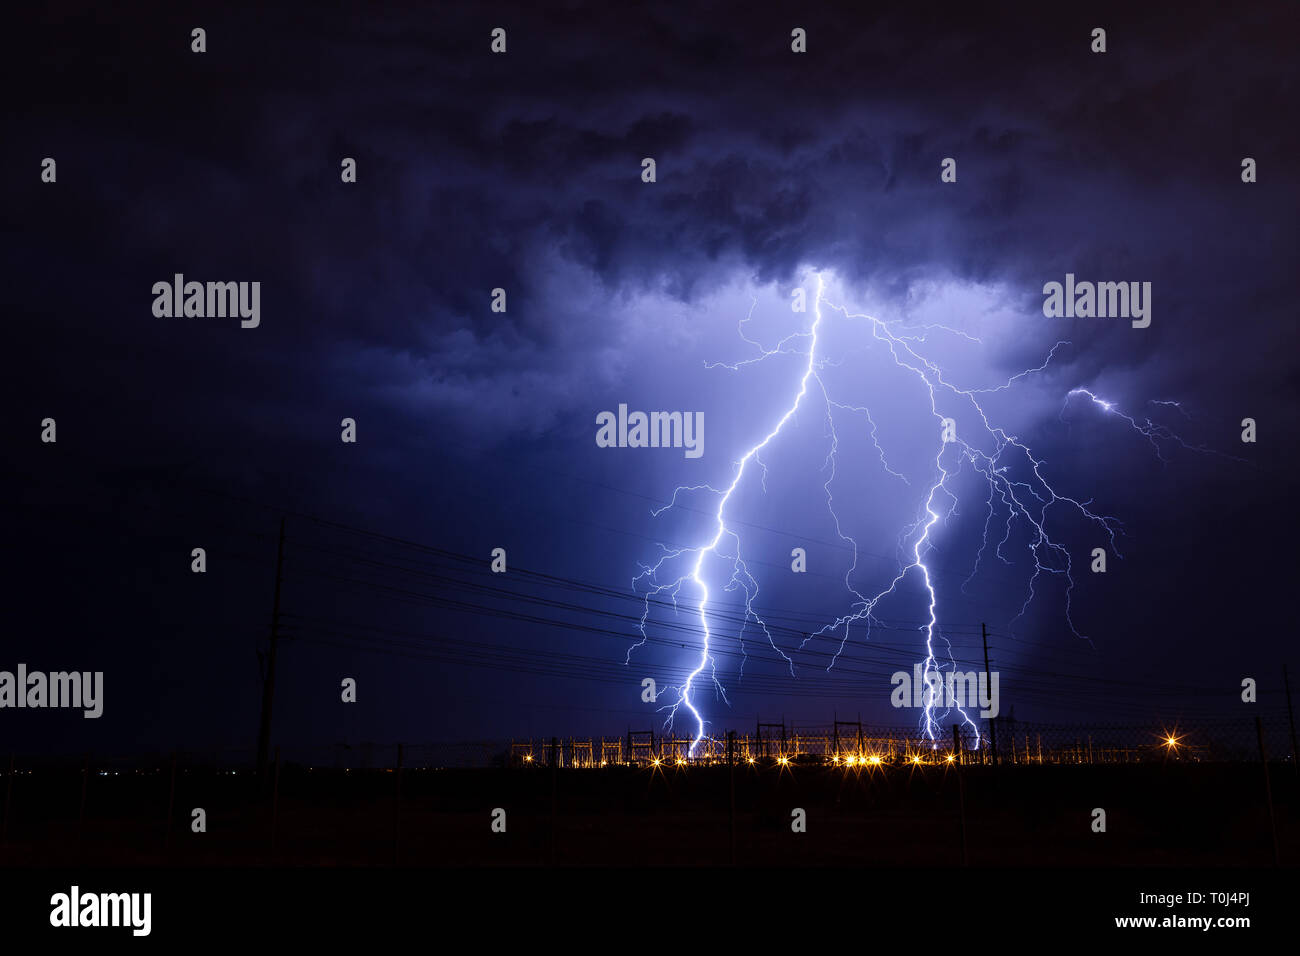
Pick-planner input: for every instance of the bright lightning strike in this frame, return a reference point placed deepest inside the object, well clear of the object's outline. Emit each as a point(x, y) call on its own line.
point(1014, 477)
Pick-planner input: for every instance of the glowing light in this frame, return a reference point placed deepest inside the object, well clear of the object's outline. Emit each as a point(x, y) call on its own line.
point(874, 760)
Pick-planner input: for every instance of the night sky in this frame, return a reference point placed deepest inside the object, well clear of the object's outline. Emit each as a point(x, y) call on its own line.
point(476, 429)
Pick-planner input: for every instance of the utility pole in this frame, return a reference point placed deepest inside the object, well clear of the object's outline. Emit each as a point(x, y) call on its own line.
point(268, 679)
point(988, 684)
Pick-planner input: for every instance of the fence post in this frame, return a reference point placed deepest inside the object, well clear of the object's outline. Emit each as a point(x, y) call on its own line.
point(275, 800)
point(1268, 788)
point(555, 774)
point(171, 806)
point(961, 797)
point(81, 813)
point(397, 812)
point(731, 776)
point(1290, 717)
point(9, 792)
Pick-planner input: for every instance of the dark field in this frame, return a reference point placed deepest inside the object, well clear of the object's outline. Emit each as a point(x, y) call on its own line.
point(1184, 814)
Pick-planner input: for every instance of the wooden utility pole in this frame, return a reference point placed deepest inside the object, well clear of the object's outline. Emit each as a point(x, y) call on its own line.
point(268, 678)
point(988, 684)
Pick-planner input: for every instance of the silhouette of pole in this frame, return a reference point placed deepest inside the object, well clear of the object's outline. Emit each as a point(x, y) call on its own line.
point(268, 679)
point(81, 813)
point(555, 775)
point(988, 684)
point(275, 803)
point(961, 796)
point(171, 807)
point(731, 774)
point(397, 812)
point(9, 793)
point(1290, 716)
point(1268, 789)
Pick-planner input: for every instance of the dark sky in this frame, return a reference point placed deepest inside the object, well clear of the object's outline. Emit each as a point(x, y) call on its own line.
point(476, 429)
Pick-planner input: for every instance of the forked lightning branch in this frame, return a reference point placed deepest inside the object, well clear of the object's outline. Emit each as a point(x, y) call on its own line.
point(1020, 496)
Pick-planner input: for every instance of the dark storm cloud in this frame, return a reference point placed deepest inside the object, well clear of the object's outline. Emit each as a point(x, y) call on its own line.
point(523, 172)
point(478, 171)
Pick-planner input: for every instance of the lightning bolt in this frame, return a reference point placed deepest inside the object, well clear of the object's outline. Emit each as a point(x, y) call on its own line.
point(1014, 476)
point(1152, 432)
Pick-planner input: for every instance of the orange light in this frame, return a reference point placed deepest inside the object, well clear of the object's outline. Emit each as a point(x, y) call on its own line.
point(874, 760)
